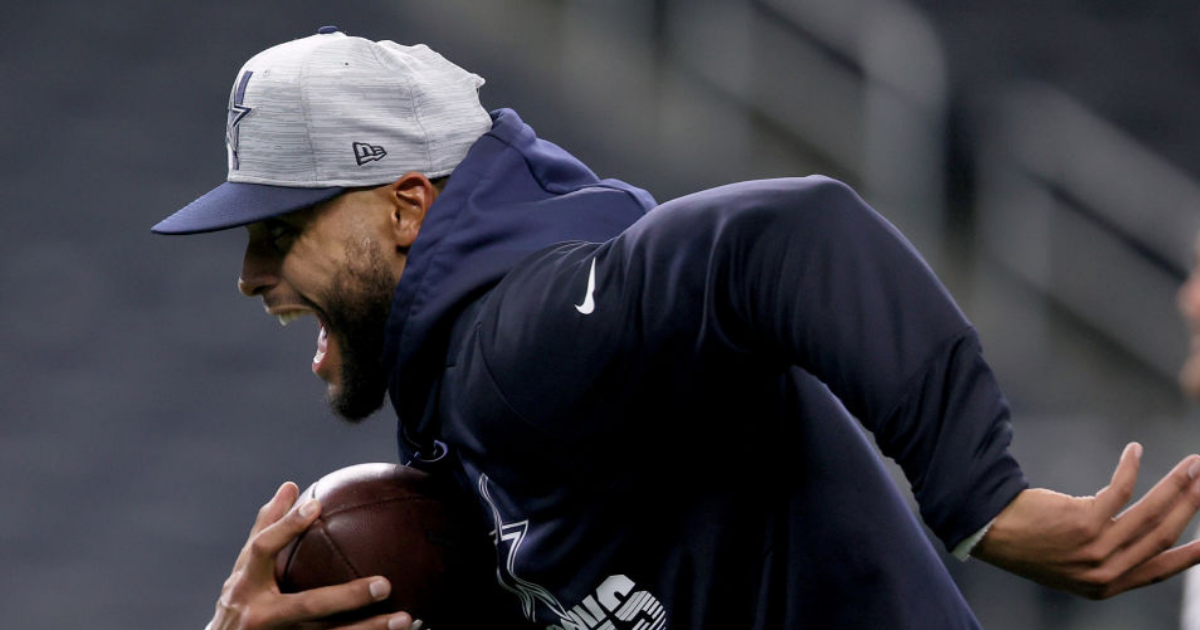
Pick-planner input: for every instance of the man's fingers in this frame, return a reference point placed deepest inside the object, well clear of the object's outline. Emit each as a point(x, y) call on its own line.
point(328, 600)
point(268, 514)
point(274, 509)
point(1119, 491)
point(1153, 509)
point(392, 621)
point(1159, 568)
point(273, 538)
point(1159, 535)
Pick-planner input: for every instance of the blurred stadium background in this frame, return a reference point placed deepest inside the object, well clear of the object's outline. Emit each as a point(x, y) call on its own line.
point(1043, 155)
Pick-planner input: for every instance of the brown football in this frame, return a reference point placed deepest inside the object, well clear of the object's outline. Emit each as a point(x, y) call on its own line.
point(390, 520)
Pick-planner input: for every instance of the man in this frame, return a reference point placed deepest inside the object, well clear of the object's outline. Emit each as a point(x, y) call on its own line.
point(650, 408)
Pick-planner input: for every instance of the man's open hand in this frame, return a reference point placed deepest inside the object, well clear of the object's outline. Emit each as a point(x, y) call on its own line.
point(1088, 545)
point(251, 599)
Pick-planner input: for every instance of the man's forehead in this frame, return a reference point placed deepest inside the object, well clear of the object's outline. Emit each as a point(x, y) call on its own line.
point(307, 215)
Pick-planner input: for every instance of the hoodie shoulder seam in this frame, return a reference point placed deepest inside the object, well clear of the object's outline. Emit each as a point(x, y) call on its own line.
point(599, 183)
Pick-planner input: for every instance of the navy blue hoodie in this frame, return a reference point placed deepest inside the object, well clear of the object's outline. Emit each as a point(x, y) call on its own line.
point(656, 415)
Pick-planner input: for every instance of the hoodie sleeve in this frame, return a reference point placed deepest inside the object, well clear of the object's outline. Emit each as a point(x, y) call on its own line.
point(795, 272)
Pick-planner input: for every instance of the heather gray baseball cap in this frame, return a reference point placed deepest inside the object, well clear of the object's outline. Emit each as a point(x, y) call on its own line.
point(315, 116)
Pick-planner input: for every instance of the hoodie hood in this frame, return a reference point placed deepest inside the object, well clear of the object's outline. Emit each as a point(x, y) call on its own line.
point(512, 195)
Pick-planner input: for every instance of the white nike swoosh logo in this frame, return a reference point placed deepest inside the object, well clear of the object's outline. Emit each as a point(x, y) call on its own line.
point(589, 304)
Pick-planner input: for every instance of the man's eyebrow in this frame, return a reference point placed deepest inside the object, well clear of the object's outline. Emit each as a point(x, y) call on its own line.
point(282, 221)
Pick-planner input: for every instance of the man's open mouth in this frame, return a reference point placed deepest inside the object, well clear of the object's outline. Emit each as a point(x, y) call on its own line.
point(287, 315)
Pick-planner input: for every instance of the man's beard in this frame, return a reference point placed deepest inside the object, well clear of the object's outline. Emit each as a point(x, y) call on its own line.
point(357, 312)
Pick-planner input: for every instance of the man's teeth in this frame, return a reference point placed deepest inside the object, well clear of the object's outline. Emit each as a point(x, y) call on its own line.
point(287, 318)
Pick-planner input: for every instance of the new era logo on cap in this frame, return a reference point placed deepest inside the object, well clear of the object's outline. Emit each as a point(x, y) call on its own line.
point(364, 152)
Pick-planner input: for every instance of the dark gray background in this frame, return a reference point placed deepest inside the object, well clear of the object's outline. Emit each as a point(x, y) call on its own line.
point(147, 409)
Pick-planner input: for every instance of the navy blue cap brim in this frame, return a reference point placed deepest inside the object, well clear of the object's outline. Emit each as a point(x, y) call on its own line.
point(233, 204)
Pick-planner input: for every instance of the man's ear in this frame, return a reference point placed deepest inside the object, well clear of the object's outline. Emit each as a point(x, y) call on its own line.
point(410, 195)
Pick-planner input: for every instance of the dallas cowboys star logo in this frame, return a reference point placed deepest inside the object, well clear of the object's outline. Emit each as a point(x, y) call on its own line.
point(237, 111)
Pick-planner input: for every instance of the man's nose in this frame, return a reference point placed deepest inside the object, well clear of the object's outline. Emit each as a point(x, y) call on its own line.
point(249, 289)
point(260, 271)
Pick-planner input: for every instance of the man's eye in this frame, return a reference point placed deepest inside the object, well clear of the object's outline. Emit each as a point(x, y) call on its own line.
point(280, 235)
